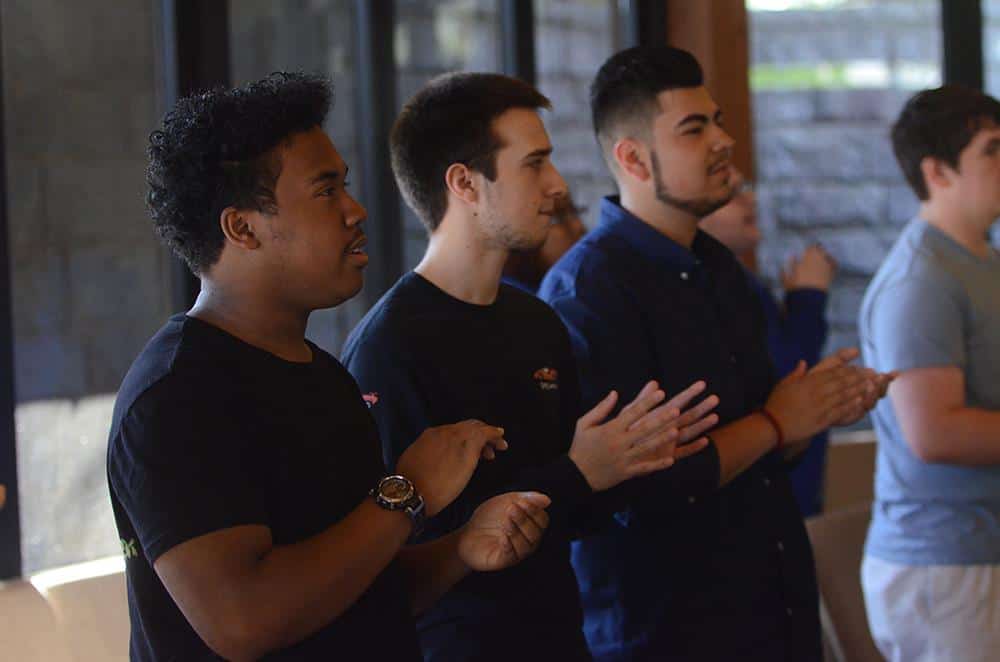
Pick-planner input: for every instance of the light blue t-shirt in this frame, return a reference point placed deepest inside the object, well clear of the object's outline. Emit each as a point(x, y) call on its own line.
point(933, 303)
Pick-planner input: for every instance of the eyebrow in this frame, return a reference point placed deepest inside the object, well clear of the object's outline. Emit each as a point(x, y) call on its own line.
point(328, 175)
point(545, 151)
point(700, 118)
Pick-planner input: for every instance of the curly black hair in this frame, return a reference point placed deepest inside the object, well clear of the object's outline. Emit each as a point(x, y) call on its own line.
point(217, 149)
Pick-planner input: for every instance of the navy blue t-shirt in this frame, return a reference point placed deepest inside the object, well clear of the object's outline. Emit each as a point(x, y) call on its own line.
point(210, 433)
point(425, 358)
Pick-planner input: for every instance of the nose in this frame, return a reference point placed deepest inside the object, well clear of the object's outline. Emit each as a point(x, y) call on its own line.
point(557, 187)
point(356, 212)
point(724, 142)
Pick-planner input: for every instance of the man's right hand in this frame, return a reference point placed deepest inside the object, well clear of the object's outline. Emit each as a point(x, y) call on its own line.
point(640, 440)
point(807, 402)
point(441, 461)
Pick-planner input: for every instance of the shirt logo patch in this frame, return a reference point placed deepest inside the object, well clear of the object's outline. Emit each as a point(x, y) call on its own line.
point(547, 378)
point(371, 399)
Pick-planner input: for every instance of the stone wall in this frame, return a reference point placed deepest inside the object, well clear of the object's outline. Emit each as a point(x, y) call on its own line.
point(824, 165)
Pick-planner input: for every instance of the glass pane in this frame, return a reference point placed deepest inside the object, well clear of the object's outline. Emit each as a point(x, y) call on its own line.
point(828, 78)
point(90, 282)
point(573, 38)
point(433, 38)
point(315, 36)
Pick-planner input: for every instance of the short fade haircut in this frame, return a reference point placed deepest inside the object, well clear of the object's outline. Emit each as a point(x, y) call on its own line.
point(939, 123)
point(623, 94)
point(450, 120)
point(217, 149)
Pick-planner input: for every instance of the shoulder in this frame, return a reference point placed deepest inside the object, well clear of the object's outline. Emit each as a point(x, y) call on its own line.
point(384, 324)
point(588, 268)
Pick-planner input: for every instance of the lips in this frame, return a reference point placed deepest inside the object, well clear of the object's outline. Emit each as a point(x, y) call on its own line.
point(719, 167)
point(357, 247)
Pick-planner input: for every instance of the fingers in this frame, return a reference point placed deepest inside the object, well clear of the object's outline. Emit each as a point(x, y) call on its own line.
point(481, 438)
point(654, 422)
point(696, 429)
point(681, 400)
point(687, 450)
point(648, 397)
point(527, 526)
point(600, 412)
point(840, 357)
point(699, 411)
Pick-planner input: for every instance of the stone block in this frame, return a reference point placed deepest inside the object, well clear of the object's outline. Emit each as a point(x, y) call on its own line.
point(859, 251)
point(826, 204)
point(781, 107)
point(841, 152)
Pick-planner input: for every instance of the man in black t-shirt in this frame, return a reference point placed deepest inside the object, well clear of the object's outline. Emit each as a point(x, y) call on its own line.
point(472, 158)
point(241, 455)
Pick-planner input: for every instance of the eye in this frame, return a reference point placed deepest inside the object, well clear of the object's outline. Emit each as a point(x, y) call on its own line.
point(693, 132)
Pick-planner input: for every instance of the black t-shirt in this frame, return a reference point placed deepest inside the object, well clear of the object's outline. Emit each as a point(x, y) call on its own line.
point(210, 433)
point(423, 359)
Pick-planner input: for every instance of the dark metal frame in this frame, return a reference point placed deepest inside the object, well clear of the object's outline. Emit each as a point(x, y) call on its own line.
point(10, 525)
point(376, 105)
point(195, 42)
point(962, 42)
point(646, 24)
point(517, 39)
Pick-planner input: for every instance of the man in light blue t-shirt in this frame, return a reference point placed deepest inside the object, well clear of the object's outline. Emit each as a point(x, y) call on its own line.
point(931, 572)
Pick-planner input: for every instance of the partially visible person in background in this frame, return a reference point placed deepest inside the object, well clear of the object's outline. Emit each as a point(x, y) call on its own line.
point(796, 326)
point(931, 570)
point(526, 269)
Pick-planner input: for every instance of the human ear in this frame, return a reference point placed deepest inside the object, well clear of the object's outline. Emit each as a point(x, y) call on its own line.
point(631, 158)
point(237, 228)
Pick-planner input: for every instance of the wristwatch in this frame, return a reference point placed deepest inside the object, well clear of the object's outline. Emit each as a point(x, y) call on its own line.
point(398, 493)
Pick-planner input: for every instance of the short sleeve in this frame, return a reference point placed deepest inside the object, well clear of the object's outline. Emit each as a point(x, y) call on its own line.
point(179, 466)
point(916, 324)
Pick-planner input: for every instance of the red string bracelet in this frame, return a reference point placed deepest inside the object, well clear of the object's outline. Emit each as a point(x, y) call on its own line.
point(777, 427)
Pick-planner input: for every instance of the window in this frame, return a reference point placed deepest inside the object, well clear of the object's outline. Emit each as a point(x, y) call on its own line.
point(828, 78)
point(433, 38)
point(89, 282)
point(573, 38)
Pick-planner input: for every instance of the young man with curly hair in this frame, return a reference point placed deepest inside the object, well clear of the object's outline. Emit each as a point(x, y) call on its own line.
point(471, 156)
point(254, 511)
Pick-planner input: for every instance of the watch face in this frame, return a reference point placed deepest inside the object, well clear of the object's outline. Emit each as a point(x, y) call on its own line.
point(395, 489)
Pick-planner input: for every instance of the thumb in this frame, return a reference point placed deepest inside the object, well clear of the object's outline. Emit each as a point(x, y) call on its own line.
point(536, 499)
point(800, 369)
point(600, 411)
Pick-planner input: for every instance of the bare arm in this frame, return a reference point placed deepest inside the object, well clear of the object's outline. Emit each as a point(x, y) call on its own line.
point(245, 597)
point(937, 424)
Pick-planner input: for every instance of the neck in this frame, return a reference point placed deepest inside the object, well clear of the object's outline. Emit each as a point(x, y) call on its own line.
point(677, 224)
point(970, 233)
point(280, 331)
point(462, 264)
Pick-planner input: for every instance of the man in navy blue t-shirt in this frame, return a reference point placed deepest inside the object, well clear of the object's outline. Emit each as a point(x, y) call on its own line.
point(449, 341)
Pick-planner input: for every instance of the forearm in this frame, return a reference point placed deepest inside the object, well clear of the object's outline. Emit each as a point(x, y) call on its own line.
point(741, 443)
point(295, 590)
point(432, 569)
point(963, 436)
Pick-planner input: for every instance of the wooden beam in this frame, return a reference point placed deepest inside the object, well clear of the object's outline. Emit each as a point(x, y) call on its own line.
point(715, 31)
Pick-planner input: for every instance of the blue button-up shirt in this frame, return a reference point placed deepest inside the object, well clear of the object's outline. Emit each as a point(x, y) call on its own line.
point(684, 570)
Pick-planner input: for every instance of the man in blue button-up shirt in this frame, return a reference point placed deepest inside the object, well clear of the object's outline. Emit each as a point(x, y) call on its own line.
point(710, 560)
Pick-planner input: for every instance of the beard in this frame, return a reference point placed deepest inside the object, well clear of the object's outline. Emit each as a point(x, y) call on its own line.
point(697, 207)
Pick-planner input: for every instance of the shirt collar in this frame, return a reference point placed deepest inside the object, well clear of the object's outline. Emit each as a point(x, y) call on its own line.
point(646, 240)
